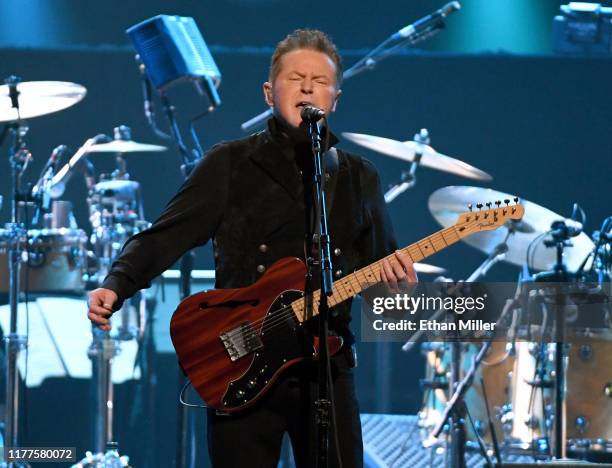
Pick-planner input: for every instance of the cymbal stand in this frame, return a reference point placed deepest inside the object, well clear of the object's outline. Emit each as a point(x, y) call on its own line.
point(456, 409)
point(408, 178)
point(101, 352)
point(498, 253)
point(19, 157)
point(110, 230)
point(559, 240)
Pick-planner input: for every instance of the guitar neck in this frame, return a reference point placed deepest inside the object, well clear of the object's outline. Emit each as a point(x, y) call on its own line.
point(354, 283)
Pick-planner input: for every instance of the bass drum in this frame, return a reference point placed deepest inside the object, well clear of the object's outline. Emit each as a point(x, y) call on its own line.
point(589, 396)
point(53, 261)
point(515, 399)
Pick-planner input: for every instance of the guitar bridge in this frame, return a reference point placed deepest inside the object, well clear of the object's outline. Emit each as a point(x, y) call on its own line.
point(240, 341)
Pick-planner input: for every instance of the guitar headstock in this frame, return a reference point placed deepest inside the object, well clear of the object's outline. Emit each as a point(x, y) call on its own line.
point(494, 216)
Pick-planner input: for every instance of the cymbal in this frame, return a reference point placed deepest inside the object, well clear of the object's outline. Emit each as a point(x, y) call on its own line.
point(426, 268)
point(38, 98)
point(447, 203)
point(406, 151)
point(125, 146)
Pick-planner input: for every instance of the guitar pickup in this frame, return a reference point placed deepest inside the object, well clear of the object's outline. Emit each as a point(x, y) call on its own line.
point(240, 341)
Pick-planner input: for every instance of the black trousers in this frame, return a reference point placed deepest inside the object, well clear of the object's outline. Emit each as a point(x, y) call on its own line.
point(252, 438)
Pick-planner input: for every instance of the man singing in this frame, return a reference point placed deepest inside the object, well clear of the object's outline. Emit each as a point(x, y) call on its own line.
point(248, 196)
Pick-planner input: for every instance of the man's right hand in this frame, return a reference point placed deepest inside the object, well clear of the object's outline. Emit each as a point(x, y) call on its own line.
point(101, 304)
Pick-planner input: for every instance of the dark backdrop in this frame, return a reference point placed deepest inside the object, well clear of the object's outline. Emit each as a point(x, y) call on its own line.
point(539, 124)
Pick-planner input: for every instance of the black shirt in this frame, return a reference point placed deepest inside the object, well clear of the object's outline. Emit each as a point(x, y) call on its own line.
point(248, 196)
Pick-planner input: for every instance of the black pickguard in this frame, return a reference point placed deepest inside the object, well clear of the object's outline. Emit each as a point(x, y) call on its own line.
point(284, 338)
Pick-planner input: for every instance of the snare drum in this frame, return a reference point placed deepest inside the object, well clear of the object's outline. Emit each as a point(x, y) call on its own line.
point(53, 261)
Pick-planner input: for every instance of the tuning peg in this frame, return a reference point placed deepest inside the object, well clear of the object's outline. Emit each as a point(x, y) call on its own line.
point(516, 200)
point(479, 206)
point(498, 202)
point(489, 205)
point(507, 201)
point(470, 206)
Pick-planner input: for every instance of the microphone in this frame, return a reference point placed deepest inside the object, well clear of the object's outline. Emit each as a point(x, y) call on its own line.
point(47, 171)
point(566, 228)
point(56, 154)
point(57, 185)
point(311, 114)
point(426, 22)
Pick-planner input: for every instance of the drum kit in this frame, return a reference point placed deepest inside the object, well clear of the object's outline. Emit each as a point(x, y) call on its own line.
point(535, 397)
point(52, 255)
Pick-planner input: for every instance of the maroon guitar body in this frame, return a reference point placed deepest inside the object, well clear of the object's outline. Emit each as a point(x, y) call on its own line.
point(233, 343)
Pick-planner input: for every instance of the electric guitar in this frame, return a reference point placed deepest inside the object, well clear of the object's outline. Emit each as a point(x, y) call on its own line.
point(233, 343)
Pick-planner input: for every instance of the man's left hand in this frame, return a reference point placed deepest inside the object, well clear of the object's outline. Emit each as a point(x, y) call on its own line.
point(398, 273)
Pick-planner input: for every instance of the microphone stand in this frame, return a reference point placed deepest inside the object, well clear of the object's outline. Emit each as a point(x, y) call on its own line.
point(323, 404)
point(185, 424)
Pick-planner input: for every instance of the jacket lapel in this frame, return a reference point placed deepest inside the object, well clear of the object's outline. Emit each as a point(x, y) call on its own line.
point(270, 159)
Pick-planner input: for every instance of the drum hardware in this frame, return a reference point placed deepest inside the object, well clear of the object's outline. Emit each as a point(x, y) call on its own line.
point(60, 217)
point(51, 253)
point(57, 185)
point(417, 153)
point(19, 158)
point(55, 259)
point(122, 143)
point(491, 428)
point(439, 382)
point(457, 408)
point(602, 252)
point(560, 232)
point(37, 98)
point(115, 214)
point(525, 428)
point(589, 433)
point(408, 178)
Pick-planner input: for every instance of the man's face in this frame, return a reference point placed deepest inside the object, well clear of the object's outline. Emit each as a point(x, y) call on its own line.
point(305, 77)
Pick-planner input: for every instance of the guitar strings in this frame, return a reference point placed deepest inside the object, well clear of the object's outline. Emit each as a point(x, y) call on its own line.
point(287, 312)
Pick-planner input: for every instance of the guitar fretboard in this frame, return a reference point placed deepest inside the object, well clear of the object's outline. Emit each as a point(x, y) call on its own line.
point(354, 283)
